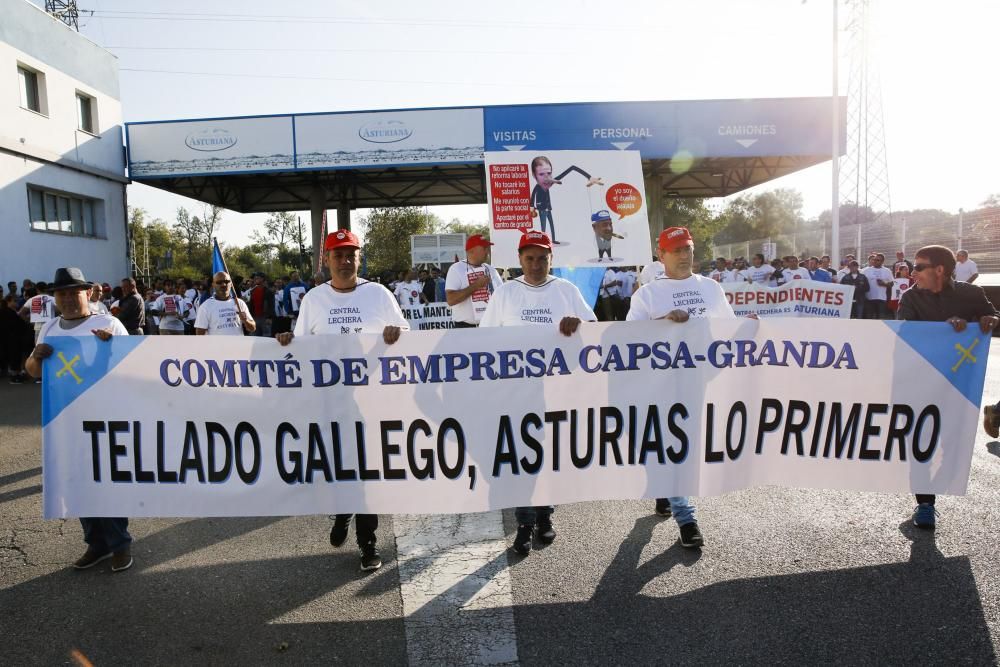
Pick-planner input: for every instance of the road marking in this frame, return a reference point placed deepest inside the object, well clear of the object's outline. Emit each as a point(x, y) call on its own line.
point(456, 589)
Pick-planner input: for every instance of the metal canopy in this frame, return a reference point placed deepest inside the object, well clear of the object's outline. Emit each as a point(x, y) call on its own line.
point(448, 184)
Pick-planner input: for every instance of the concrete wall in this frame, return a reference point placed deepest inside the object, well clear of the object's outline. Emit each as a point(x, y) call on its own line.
point(47, 150)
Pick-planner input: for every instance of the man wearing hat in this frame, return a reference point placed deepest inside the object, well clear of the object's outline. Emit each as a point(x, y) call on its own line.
point(676, 296)
point(348, 305)
point(540, 299)
point(470, 283)
point(604, 231)
point(105, 537)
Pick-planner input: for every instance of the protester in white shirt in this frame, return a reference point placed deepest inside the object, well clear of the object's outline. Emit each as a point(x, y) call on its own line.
point(758, 272)
point(347, 306)
point(966, 270)
point(536, 298)
point(719, 272)
point(651, 272)
point(676, 297)
point(224, 314)
point(470, 283)
point(171, 309)
point(627, 278)
point(38, 310)
point(410, 292)
point(106, 537)
point(97, 306)
point(879, 281)
point(792, 271)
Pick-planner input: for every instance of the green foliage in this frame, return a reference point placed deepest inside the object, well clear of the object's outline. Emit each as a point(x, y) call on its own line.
point(693, 214)
point(387, 236)
point(456, 226)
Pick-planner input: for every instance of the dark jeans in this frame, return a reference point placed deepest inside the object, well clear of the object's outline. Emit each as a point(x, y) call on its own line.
point(858, 309)
point(546, 215)
point(465, 325)
point(365, 526)
point(875, 309)
point(526, 516)
point(925, 498)
point(104, 534)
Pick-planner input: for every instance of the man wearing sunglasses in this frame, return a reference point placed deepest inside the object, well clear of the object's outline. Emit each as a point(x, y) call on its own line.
point(225, 314)
point(937, 297)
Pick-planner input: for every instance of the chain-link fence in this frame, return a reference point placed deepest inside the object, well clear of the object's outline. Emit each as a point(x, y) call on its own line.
point(977, 231)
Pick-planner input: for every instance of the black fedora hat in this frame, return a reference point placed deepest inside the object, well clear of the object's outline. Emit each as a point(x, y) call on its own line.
point(68, 278)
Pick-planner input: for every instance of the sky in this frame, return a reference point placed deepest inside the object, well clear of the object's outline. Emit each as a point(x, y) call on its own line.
point(204, 58)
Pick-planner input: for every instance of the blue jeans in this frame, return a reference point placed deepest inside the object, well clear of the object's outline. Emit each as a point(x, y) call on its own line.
point(104, 534)
point(546, 214)
point(682, 509)
point(526, 516)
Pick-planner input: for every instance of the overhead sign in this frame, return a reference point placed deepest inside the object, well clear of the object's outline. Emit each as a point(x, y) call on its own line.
point(432, 136)
point(664, 130)
point(211, 146)
point(590, 203)
point(475, 420)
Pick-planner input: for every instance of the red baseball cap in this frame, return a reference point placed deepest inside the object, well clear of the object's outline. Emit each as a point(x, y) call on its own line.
point(534, 238)
point(476, 241)
point(342, 238)
point(672, 238)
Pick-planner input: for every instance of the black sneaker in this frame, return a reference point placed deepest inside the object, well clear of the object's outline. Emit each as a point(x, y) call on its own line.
point(546, 533)
point(338, 534)
point(691, 537)
point(370, 558)
point(16, 379)
point(522, 541)
point(663, 507)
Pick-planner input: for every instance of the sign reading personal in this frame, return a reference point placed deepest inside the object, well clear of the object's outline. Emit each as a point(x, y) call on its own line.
point(470, 420)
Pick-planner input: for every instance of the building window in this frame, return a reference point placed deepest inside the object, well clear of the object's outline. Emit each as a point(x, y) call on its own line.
point(62, 212)
point(31, 83)
point(85, 107)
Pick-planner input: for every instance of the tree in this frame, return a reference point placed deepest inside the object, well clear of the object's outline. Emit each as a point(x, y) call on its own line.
point(387, 236)
point(456, 226)
point(189, 230)
point(693, 214)
point(211, 220)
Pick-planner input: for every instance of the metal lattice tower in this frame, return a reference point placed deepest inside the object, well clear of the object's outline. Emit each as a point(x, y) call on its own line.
point(864, 172)
point(66, 11)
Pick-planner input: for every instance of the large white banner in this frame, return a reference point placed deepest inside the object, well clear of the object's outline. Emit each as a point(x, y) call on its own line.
point(591, 203)
point(431, 136)
point(476, 419)
point(797, 298)
point(210, 146)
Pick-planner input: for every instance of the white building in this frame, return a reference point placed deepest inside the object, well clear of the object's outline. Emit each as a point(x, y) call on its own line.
point(62, 164)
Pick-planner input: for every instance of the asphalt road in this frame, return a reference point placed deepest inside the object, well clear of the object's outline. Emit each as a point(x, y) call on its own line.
point(787, 576)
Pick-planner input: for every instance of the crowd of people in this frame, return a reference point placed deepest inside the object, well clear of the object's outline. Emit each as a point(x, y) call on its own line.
point(289, 308)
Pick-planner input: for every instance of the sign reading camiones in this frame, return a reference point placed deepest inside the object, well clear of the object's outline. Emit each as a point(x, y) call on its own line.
point(471, 420)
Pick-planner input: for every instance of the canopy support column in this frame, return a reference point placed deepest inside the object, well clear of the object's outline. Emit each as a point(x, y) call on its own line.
point(317, 206)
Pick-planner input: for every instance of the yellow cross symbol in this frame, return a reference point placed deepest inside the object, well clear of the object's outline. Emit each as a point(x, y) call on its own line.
point(966, 353)
point(68, 367)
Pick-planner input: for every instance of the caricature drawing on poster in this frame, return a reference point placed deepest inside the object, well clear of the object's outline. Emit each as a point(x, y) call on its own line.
point(590, 203)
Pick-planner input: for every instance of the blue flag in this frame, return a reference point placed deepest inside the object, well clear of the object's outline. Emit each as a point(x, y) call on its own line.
point(587, 279)
point(218, 264)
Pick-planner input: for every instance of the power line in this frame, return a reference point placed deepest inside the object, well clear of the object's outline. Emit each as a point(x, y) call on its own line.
point(264, 18)
point(350, 80)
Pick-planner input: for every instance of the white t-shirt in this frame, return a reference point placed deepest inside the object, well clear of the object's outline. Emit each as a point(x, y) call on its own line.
point(698, 295)
point(52, 328)
point(608, 286)
point(191, 305)
point(788, 275)
point(42, 308)
point(518, 303)
point(720, 275)
point(171, 307)
point(295, 294)
point(408, 293)
point(368, 308)
point(460, 275)
point(651, 272)
point(219, 318)
point(965, 270)
point(627, 279)
point(279, 303)
point(98, 308)
point(899, 285)
point(876, 292)
point(738, 276)
point(759, 275)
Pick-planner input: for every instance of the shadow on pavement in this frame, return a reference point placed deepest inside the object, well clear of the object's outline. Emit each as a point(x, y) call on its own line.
point(220, 613)
point(925, 611)
point(993, 448)
point(20, 405)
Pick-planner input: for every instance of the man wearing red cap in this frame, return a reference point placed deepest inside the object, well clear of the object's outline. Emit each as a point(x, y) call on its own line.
point(542, 299)
point(676, 296)
point(348, 305)
point(470, 283)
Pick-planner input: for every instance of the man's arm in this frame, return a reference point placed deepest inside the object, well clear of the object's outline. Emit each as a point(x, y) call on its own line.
point(972, 278)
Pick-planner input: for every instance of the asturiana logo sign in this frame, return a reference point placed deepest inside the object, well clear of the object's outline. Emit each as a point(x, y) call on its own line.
point(385, 131)
point(217, 139)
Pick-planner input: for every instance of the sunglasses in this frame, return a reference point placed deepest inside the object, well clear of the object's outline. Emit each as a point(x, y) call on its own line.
point(223, 282)
point(921, 267)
